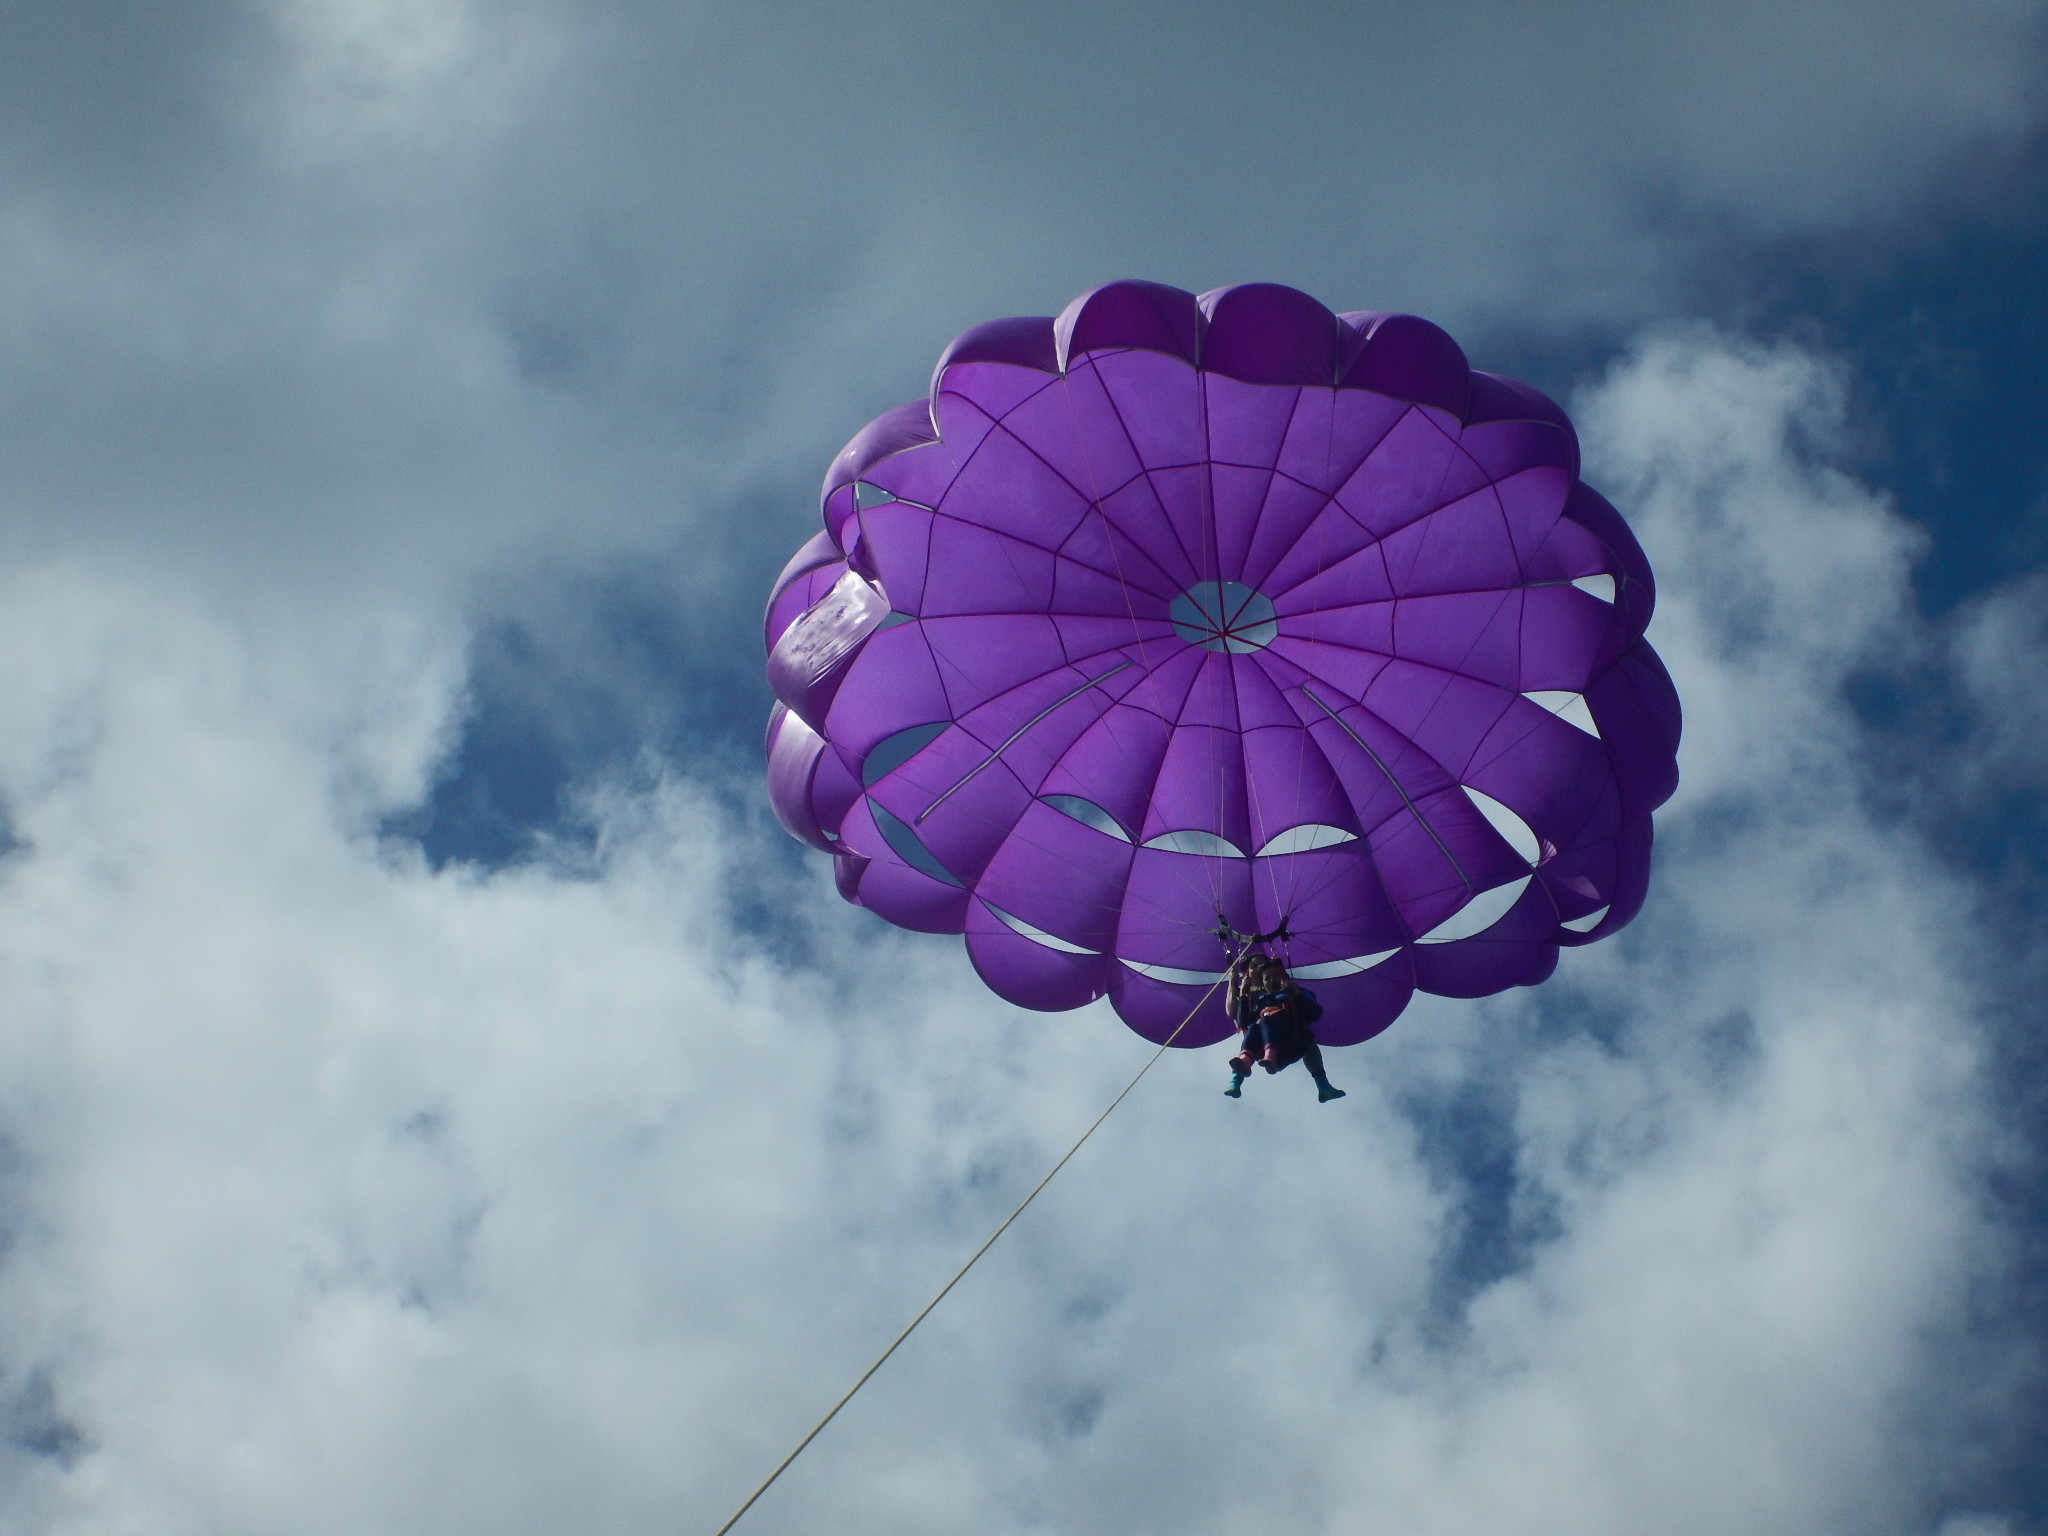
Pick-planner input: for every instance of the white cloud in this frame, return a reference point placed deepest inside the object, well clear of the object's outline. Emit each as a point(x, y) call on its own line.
point(344, 291)
point(2000, 645)
point(350, 1197)
point(341, 1196)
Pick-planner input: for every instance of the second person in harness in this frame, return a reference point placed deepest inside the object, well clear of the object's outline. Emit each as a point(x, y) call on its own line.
point(1274, 1015)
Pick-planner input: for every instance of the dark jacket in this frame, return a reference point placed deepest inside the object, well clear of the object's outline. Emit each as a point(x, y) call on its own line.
point(1298, 1007)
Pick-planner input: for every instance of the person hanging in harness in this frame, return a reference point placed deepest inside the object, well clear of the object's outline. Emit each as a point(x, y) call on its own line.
point(1273, 1014)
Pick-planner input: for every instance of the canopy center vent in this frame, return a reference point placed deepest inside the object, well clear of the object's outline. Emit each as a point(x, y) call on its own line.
point(1224, 616)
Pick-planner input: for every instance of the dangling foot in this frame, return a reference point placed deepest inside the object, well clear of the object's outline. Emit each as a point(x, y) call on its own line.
point(1271, 1060)
point(1241, 1065)
point(1236, 1088)
point(1324, 1092)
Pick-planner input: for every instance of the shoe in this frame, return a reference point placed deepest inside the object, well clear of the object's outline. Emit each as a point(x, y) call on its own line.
point(1325, 1093)
point(1271, 1060)
point(1236, 1088)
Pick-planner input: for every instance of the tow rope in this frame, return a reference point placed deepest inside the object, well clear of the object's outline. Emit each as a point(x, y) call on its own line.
point(960, 1274)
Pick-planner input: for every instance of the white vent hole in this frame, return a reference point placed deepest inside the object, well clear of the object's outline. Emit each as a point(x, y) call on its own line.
point(1568, 707)
point(1600, 586)
point(1506, 823)
point(1018, 926)
point(1306, 838)
point(1478, 914)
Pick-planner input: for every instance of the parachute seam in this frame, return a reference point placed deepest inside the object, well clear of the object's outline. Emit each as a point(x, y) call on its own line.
point(1003, 540)
point(1296, 896)
point(1211, 533)
point(1322, 534)
point(1456, 673)
point(1407, 597)
point(1273, 474)
point(1380, 536)
point(1337, 495)
point(1111, 533)
point(1095, 502)
point(1145, 469)
point(1012, 830)
point(1267, 659)
point(1327, 516)
point(1178, 723)
point(1167, 589)
point(1332, 496)
point(949, 664)
point(1011, 834)
point(1459, 672)
point(996, 425)
point(1198, 563)
point(1014, 736)
point(1051, 469)
point(1256, 811)
point(987, 740)
point(1321, 529)
point(1502, 594)
point(1478, 631)
point(1152, 789)
point(1399, 788)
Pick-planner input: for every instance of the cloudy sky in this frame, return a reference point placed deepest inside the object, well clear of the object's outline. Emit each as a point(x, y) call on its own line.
point(435, 1097)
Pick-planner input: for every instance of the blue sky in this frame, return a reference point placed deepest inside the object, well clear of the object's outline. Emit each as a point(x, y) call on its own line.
point(435, 1096)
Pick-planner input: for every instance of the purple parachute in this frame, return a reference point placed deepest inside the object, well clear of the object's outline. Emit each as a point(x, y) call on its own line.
point(1177, 609)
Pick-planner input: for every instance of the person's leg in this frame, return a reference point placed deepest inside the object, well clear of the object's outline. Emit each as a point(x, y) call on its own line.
point(1284, 1037)
point(1270, 1043)
point(1312, 1058)
point(1241, 1063)
point(1253, 1043)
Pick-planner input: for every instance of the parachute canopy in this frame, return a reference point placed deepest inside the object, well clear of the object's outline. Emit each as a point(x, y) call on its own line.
point(1177, 609)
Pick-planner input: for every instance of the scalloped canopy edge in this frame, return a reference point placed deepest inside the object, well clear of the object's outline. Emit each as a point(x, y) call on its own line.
point(1256, 333)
